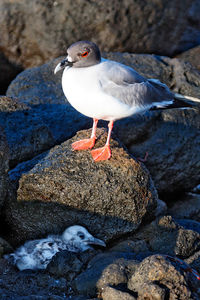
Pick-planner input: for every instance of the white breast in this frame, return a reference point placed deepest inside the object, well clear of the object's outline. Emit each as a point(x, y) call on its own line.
point(82, 88)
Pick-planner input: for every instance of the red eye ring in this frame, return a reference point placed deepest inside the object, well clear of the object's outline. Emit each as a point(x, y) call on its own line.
point(84, 54)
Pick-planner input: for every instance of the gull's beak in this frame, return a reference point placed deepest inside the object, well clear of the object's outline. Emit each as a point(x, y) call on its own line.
point(94, 241)
point(64, 63)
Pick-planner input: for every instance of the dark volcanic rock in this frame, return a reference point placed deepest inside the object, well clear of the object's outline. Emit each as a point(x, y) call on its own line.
point(136, 26)
point(109, 198)
point(192, 56)
point(167, 236)
point(33, 129)
point(4, 159)
point(162, 277)
point(111, 293)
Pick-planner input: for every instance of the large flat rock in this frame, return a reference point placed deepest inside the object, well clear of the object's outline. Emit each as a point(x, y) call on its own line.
point(63, 187)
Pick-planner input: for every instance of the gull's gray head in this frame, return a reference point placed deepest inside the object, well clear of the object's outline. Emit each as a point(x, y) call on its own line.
point(79, 237)
point(80, 54)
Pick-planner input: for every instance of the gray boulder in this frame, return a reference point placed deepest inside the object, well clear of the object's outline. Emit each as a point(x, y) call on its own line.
point(110, 198)
point(137, 26)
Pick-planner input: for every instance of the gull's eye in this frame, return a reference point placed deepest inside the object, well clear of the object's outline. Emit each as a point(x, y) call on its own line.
point(81, 235)
point(84, 54)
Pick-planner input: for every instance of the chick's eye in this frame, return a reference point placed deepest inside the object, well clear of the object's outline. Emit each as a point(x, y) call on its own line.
point(81, 235)
point(84, 54)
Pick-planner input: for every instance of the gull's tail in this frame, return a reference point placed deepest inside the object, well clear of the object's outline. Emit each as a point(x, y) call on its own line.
point(179, 101)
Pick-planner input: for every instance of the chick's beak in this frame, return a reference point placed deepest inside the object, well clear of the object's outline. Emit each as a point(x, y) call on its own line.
point(94, 241)
point(64, 63)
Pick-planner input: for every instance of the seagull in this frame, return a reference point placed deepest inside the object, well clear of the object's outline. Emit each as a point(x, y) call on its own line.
point(37, 254)
point(103, 89)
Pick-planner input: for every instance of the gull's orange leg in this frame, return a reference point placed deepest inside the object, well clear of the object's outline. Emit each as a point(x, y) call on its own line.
point(103, 153)
point(87, 143)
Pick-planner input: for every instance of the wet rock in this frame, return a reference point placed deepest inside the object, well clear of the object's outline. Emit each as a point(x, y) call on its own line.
point(159, 277)
point(174, 162)
point(192, 56)
point(109, 198)
point(110, 24)
point(106, 269)
point(31, 130)
point(4, 158)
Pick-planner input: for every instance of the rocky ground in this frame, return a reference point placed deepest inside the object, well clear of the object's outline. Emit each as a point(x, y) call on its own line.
point(153, 247)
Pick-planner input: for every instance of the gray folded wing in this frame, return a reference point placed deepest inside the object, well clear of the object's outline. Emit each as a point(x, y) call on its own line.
point(131, 88)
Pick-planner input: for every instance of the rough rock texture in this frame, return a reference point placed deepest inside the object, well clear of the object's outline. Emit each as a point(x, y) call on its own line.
point(137, 26)
point(159, 277)
point(173, 163)
point(4, 157)
point(168, 236)
point(111, 293)
point(191, 56)
point(109, 198)
point(31, 130)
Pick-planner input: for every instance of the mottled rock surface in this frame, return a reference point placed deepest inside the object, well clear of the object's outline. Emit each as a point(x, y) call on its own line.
point(110, 198)
point(168, 236)
point(4, 158)
point(192, 56)
point(137, 26)
point(159, 277)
